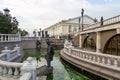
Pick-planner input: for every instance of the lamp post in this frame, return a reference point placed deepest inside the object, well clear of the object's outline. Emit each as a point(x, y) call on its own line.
point(39, 33)
point(82, 13)
point(79, 23)
point(34, 32)
point(6, 11)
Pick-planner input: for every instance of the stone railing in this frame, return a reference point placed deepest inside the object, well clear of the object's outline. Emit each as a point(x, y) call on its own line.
point(10, 69)
point(9, 55)
point(104, 60)
point(111, 20)
point(28, 70)
point(10, 37)
point(22, 71)
point(14, 70)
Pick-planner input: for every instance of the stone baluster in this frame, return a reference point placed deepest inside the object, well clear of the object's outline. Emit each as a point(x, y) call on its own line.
point(94, 58)
point(87, 56)
point(16, 72)
point(103, 60)
point(83, 56)
point(5, 37)
point(115, 63)
point(108, 62)
point(10, 71)
point(4, 70)
point(98, 59)
point(90, 57)
point(1, 70)
point(2, 38)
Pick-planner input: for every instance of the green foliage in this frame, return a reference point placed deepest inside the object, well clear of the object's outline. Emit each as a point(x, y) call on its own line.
point(23, 32)
point(5, 24)
point(9, 25)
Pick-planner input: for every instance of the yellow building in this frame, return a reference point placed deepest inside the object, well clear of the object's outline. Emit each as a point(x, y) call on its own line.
point(69, 26)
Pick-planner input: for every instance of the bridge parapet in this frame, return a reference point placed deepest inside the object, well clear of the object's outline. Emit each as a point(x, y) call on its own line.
point(105, 60)
point(108, 21)
point(98, 63)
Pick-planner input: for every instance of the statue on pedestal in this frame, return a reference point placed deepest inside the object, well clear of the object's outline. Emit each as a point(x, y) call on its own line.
point(50, 54)
point(47, 69)
point(38, 45)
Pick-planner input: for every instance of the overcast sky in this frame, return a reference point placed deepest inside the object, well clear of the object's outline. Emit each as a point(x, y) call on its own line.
point(35, 14)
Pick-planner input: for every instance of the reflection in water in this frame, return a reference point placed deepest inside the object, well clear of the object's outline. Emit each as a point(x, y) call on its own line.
point(49, 77)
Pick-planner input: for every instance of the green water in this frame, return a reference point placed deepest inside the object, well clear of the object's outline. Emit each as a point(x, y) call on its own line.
point(64, 72)
point(60, 72)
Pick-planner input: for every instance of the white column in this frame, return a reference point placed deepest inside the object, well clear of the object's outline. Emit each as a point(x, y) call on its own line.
point(118, 30)
point(98, 42)
point(80, 41)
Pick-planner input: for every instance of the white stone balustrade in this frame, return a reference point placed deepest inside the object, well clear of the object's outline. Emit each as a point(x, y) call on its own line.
point(22, 71)
point(105, 60)
point(8, 55)
point(10, 37)
point(29, 69)
point(10, 68)
point(105, 22)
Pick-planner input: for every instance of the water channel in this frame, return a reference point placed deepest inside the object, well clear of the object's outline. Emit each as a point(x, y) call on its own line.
point(63, 71)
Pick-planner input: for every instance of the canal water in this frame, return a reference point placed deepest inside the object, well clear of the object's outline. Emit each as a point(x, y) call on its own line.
point(61, 71)
point(64, 72)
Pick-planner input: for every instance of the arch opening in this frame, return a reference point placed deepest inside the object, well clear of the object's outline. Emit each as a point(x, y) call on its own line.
point(89, 44)
point(112, 46)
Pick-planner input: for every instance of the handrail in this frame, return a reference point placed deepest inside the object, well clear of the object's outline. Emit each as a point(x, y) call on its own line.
point(10, 37)
point(110, 61)
point(105, 22)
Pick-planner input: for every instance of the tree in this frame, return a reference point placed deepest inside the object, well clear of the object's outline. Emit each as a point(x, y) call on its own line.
point(23, 32)
point(8, 24)
point(5, 24)
point(14, 25)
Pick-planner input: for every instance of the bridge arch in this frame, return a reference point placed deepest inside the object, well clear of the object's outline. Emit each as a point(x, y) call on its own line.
point(112, 46)
point(89, 43)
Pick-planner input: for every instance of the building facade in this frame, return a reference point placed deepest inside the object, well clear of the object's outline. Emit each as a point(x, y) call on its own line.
point(70, 26)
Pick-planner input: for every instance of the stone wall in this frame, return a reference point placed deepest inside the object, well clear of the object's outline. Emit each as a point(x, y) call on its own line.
point(28, 44)
point(31, 44)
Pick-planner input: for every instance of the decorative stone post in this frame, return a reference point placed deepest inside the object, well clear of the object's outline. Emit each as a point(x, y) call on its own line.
point(98, 42)
point(80, 41)
point(29, 67)
point(7, 52)
point(18, 49)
